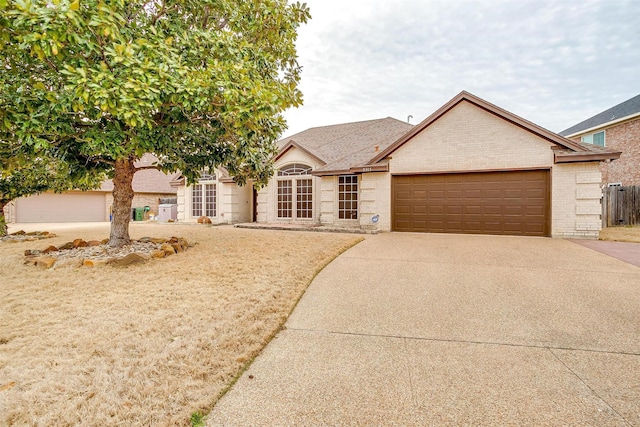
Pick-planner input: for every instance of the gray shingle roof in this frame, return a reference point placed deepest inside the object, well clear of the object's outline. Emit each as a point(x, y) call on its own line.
point(627, 108)
point(348, 145)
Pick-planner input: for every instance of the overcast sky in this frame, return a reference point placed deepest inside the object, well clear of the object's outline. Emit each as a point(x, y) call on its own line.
point(553, 62)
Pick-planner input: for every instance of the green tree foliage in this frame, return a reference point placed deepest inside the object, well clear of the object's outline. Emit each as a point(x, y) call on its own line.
point(198, 83)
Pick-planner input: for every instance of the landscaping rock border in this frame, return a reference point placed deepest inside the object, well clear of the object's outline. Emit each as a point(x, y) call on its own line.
point(22, 236)
point(81, 253)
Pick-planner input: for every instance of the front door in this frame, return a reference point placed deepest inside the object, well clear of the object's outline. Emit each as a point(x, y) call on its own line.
point(254, 213)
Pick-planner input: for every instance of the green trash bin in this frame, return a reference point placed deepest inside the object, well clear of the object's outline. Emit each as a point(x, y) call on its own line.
point(138, 214)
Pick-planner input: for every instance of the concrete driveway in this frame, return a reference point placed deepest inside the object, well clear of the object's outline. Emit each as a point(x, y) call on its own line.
point(432, 329)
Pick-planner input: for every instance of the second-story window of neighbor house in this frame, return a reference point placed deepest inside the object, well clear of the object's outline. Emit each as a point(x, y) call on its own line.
point(597, 138)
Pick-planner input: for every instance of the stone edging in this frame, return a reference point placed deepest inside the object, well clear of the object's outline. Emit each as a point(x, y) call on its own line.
point(80, 253)
point(22, 236)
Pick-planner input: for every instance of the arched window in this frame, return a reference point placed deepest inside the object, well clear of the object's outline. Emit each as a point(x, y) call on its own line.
point(294, 169)
point(294, 183)
point(204, 196)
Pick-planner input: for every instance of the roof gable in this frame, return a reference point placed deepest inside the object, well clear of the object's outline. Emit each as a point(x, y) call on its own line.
point(562, 145)
point(343, 147)
point(294, 145)
point(620, 112)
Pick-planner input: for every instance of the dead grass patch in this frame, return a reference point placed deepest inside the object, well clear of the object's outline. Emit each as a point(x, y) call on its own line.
point(148, 344)
point(621, 234)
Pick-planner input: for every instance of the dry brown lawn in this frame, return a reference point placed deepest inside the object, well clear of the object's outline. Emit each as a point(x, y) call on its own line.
point(621, 234)
point(146, 344)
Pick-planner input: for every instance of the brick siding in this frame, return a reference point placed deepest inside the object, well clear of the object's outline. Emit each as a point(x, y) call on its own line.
point(624, 137)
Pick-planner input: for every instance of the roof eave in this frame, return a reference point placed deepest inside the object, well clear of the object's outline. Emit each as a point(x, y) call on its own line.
point(177, 182)
point(353, 170)
point(604, 125)
point(587, 157)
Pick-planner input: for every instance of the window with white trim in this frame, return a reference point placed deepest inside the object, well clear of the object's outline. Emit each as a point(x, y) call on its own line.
point(295, 184)
point(597, 138)
point(348, 197)
point(204, 197)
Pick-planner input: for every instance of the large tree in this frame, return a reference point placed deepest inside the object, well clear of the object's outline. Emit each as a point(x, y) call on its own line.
point(198, 83)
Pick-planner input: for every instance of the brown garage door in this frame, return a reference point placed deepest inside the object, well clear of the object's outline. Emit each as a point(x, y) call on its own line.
point(514, 202)
point(66, 207)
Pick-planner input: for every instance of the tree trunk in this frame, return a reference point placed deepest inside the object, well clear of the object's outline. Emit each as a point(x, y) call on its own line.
point(3, 223)
point(122, 198)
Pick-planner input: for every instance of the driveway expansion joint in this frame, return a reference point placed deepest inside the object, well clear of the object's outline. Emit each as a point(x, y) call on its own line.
point(595, 393)
point(461, 341)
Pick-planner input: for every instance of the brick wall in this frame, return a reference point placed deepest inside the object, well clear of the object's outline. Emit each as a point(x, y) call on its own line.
point(328, 209)
point(375, 200)
point(624, 137)
point(182, 203)
point(575, 200)
point(469, 138)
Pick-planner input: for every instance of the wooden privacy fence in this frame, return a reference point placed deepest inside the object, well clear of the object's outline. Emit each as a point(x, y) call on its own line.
point(620, 205)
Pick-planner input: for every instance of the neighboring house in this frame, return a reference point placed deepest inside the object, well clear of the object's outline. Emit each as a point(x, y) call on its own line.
point(617, 128)
point(470, 167)
point(149, 186)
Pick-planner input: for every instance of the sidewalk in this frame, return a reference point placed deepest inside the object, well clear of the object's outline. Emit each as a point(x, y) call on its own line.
point(624, 251)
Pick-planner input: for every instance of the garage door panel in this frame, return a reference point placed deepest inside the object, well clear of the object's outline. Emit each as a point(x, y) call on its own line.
point(493, 210)
point(436, 194)
point(453, 226)
point(473, 194)
point(404, 195)
point(514, 202)
point(404, 210)
point(65, 207)
point(492, 227)
point(473, 227)
point(534, 193)
point(514, 211)
point(493, 194)
point(436, 209)
point(473, 210)
point(419, 210)
point(534, 211)
point(514, 194)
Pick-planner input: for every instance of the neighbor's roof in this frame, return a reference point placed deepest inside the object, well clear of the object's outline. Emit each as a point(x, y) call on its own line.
point(565, 150)
point(346, 147)
point(147, 180)
point(627, 109)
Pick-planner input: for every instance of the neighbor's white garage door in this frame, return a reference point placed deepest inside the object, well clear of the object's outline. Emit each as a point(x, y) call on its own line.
point(68, 207)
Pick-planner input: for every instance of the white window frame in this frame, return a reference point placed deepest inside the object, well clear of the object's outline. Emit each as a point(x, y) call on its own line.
point(298, 204)
point(589, 138)
point(207, 186)
point(342, 210)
